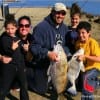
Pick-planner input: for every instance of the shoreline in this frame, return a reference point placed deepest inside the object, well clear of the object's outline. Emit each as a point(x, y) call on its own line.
point(37, 14)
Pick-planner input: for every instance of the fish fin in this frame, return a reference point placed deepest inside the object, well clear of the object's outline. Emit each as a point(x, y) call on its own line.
point(49, 79)
point(68, 64)
point(48, 73)
point(72, 90)
point(82, 67)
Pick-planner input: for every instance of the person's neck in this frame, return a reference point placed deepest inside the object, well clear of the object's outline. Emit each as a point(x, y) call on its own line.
point(12, 35)
point(74, 27)
point(23, 37)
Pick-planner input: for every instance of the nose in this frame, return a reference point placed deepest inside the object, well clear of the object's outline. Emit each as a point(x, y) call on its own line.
point(10, 30)
point(80, 34)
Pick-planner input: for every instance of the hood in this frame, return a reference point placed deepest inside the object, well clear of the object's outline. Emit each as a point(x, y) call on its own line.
point(51, 21)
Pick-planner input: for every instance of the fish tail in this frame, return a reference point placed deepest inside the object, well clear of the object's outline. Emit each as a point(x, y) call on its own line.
point(60, 96)
point(72, 90)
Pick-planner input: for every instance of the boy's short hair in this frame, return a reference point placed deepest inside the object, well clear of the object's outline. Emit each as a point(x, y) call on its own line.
point(84, 25)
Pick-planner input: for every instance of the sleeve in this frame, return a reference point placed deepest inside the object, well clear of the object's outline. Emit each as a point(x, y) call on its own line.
point(95, 48)
point(6, 47)
point(68, 38)
point(37, 46)
point(67, 43)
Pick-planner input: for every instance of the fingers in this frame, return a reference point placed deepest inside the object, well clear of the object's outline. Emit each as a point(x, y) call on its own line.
point(15, 44)
point(26, 46)
point(27, 42)
point(16, 41)
point(6, 59)
point(53, 56)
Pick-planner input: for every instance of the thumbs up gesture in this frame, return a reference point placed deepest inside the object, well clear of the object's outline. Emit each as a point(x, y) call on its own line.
point(15, 44)
point(26, 46)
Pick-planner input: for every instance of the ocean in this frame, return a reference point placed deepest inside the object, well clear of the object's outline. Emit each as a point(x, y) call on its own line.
point(89, 6)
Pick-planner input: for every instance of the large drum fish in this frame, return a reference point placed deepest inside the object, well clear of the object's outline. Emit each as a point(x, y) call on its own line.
point(74, 67)
point(58, 70)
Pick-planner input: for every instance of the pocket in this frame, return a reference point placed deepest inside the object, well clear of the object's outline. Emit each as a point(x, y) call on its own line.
point(98, 81)
point(88, 84)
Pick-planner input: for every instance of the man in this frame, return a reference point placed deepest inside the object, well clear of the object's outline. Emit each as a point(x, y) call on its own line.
point(45, 35)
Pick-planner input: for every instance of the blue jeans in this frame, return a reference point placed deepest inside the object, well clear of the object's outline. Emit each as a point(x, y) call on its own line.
point(90, 83)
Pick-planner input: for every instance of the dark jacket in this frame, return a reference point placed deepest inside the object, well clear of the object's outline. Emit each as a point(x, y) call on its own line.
point(28, 39)
point(14, 69)
point(45, 36)
point(71, 38)
point(5, 49)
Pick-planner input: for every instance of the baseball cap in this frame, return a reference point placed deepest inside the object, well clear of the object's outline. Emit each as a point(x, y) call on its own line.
point(59, 7)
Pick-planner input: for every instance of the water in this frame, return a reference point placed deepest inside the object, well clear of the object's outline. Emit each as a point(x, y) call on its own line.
point(89, 6)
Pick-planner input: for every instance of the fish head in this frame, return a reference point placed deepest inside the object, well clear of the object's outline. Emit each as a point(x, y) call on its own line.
point(80, 51)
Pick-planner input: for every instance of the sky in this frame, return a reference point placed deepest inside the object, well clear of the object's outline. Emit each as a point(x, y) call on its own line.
point(90, 6)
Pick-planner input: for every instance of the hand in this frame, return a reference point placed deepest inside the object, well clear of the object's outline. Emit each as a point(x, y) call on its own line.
point(6, 59)
point(80, 57)
point(53, 56)
point(26, 46)
point(15, 44)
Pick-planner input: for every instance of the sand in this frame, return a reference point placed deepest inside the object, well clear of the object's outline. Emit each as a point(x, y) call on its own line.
point(37, 15)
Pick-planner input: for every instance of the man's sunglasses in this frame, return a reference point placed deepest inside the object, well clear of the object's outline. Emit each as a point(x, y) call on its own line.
point(61, 12)
point(26, 25)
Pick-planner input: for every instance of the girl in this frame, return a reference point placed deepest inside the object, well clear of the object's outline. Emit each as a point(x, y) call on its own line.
point(10, 46)
point(72, 36)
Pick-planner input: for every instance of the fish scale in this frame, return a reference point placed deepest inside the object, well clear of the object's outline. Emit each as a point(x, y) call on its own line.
point(74, 67)
point(58, 70)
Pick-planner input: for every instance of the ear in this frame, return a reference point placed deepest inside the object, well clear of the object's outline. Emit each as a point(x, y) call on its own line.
point(89, 33)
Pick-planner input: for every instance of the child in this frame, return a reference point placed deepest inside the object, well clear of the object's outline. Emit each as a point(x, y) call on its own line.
point(10, 46)
point(72, 36)
point(91, 59)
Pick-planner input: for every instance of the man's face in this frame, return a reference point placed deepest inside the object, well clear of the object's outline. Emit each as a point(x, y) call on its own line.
point(59, 16)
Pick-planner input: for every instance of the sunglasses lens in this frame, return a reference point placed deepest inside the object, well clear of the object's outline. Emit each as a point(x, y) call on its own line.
point(61, 12)
point(26, 25)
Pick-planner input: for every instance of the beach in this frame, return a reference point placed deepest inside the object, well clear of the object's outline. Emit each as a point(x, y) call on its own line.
point(37, 15)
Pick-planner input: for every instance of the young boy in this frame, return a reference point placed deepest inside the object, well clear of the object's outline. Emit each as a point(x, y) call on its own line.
point(91, 59)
